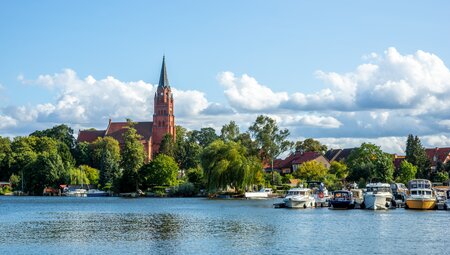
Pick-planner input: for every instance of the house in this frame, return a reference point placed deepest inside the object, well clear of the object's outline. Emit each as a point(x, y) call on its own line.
point(339, 155)
point(294, 160)
point(438, 156)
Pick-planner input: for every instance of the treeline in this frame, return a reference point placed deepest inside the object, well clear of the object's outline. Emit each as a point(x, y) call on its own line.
point(196, 160)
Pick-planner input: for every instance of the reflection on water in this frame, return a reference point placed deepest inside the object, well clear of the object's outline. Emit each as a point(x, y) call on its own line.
point(198, 226)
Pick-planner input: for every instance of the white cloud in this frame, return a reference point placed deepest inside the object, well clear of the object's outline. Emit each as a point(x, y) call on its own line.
point(7, 122)
point(247, 94)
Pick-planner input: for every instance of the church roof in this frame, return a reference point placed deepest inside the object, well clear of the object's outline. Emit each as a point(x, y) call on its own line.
point(163, 79)
point(90, 135)
point(116, 130)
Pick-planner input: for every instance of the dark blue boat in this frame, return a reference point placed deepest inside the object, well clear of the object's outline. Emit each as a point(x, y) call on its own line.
point(342, 199)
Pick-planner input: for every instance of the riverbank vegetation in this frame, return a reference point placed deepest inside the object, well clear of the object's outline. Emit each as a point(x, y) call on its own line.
point(197, 161)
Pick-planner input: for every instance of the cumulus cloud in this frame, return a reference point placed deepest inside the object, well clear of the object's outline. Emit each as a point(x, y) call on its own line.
point(7, 121)
point(247, 94)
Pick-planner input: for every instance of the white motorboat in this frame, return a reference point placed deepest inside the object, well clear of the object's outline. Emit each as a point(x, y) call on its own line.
point(76, 193)
point(378, 196)
point(320, 193)
point(299, 198)
point(97, 193)
point(262, 193)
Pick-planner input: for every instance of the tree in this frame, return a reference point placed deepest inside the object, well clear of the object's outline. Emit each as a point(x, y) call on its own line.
point(62, 133)
point(105, 156)
point(251, 146)
point(229, 132)
point(133, 157)
point(369, 161)
point(82, 154)
point(161, 171)
point(339, 169)
point(270, 139)
point(47, 170)
point(226, 165)
point(310, 145)
point(407, 172)
point(167, 145)
point(196, 177)
point(311, 171)
point(92, 174)
point(416, 155)
point(187, 150)
point(205, 136)
point(5, 158)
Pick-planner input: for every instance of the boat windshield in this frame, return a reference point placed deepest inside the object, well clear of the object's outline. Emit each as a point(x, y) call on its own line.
point(419, 184)
point(341, 195)
point(421, 192)
point(296, 193)
point(378, 189)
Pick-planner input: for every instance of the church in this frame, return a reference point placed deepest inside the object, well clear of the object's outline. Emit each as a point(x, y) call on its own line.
point(151, 132)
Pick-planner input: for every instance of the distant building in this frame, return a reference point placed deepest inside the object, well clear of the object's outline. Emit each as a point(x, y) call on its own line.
point(339, 155)
point(151, 132)
point(438, 156)
point(294, 160)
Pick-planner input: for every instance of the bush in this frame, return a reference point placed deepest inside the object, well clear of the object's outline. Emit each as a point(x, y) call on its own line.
point(186, 189)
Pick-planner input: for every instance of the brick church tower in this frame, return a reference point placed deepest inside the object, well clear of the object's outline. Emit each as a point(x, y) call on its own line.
point(163, 118)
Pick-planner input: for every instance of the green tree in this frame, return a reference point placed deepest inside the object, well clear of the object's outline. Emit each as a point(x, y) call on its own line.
point(407, 172)
point(441, 177)
point(105, 156)
point(83, 153)
point(311, 171)
point(310, 145)
point(78, 177)
point(229, 132)
point(196, 177)
point(251, 146)
point(416, 155)
point(133, 158)
point(62, 133)
point(92, 174)
point(204, 136)
point(339, 169)
point(270, 139)
point(167, 145)
point(5, 158)
point(187, 150)
point(163, 170)
point(226, 165)
point(368, 162)
point(47, 170)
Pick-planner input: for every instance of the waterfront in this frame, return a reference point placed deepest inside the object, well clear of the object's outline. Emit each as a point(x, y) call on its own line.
point(55, 225)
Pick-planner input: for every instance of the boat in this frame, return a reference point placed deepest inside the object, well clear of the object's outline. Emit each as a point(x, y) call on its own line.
point(342, 199)
point(97, 193)
point(320, 193)
point(299, 198)
point(421, 196)
point(262, 193)
point(76, 193)
point(378, 196)
point(447, 201)
point(358, 197)
point(399, 191)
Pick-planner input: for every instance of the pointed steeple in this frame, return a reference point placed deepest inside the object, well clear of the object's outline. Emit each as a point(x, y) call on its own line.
point(163, 80)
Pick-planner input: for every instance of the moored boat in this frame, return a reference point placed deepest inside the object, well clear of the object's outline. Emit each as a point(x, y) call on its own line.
point(447, 201)
point(299, 198)
point(76, 193)
point(378, 196)
point(421, 196)
point(262, 193)
point(97, 193)
point(342, 199)
point(320, 193)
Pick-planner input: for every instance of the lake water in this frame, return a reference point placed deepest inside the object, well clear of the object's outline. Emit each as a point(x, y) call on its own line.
point(64, 225)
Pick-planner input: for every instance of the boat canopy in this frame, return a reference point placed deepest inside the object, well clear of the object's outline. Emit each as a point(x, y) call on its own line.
point(419, 184)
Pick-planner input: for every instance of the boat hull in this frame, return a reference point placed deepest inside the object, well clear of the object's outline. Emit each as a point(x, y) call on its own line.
point(421, 204)
point(376, 202)
point(293, 203)
point(256, 195)
point(345, 204)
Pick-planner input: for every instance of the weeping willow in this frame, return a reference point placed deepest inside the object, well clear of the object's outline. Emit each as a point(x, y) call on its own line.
point(227, 165)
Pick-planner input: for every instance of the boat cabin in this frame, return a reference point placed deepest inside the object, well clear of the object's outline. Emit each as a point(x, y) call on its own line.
point(298, 192)
point(419, 184)
point(342, 194)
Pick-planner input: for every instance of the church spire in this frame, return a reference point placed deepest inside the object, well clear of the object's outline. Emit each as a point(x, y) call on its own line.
point(163, 80)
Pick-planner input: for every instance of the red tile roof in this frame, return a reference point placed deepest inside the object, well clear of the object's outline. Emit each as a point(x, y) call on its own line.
point(89, 135)
point(116, 130)
point(305, 157)
point(438, 155)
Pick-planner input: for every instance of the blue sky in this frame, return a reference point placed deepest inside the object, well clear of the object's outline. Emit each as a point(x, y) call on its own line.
point(302, 62)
